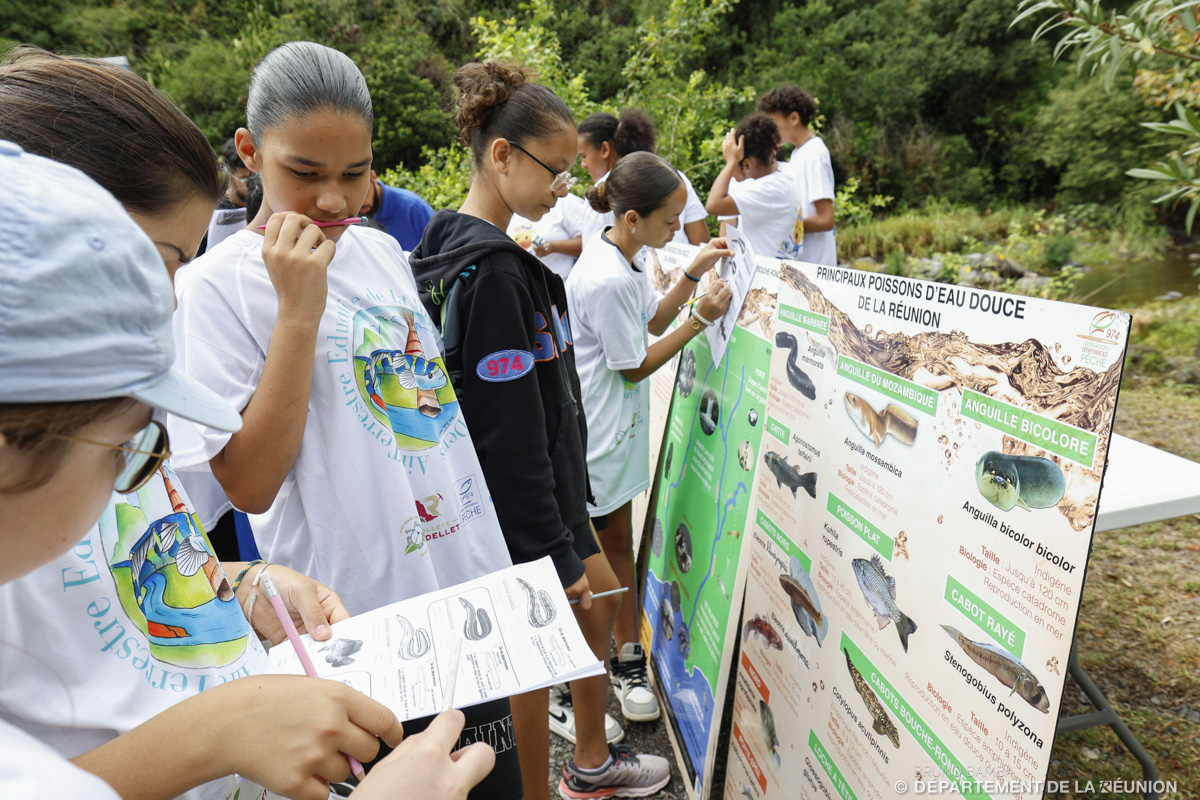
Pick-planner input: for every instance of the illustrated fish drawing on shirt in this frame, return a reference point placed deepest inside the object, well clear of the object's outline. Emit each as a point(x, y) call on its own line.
point(892, 421)
point(404, 387)
point(411, 371)
point(879, 589)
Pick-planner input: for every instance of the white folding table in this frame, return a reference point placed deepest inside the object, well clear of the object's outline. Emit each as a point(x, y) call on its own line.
point(1141, 484)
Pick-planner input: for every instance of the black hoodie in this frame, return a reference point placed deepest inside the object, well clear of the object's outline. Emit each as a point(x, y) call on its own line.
point(503, 317)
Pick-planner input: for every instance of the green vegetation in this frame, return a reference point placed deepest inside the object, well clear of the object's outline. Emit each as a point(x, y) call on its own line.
point(920, 99)
point(1158, 39)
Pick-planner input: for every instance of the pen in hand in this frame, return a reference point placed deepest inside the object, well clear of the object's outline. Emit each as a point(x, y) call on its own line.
point(575, 601)
point(452, 678)
point(293, 636)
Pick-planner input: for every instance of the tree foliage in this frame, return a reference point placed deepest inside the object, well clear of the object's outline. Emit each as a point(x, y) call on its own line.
point(1157, 38)
point(919, 99)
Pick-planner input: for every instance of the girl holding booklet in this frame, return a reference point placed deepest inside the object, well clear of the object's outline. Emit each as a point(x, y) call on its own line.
point(110, 658)
point(354, 459)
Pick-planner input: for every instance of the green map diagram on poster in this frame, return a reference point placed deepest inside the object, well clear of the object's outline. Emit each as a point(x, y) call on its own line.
point(709, 458)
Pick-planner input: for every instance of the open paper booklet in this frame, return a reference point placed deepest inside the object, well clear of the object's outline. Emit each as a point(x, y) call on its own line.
point(517, 630)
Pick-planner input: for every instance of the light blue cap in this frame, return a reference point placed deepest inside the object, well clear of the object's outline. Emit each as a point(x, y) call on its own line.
point(85, 301)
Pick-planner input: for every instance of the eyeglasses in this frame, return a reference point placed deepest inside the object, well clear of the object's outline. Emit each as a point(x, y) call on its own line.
point(562, 180)
point(143, 455)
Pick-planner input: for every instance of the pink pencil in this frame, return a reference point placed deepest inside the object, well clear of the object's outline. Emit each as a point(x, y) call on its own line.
point(320, 223)
point(293, 636)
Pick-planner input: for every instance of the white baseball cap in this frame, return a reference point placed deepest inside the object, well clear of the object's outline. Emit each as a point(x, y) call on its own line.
point(85, 301)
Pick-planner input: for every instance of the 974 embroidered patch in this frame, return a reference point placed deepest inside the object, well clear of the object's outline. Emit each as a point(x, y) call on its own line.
point(504, 365)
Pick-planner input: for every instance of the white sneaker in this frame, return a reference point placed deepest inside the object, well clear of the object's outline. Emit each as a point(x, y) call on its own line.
point(627, 674)
point(562, 717)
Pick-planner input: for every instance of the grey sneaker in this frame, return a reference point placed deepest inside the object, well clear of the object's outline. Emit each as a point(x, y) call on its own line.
point(628, 774)
point(627, 674)
point(562, 717)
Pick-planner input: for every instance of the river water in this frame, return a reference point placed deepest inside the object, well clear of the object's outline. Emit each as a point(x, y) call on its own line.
point(1124, 284)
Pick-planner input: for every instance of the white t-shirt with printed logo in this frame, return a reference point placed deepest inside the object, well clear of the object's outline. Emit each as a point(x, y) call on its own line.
point(693, 210)
point(812, 169)
point(31, 771)
point(767, 213)
point(611, 305)
point(564, 221)
point(134, 619)
point(386, 499)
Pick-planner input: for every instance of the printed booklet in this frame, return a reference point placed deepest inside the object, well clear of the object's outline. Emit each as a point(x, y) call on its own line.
point(512, 631)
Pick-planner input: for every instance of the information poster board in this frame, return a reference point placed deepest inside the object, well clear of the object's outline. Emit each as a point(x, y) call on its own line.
point(665, 268)
point(917, 548)
point(692, 592)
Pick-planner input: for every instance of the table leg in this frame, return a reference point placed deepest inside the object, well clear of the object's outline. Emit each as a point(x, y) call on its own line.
point(1105, 715)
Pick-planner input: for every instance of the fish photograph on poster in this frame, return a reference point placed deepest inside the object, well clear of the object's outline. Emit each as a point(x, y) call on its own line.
point(930, 469)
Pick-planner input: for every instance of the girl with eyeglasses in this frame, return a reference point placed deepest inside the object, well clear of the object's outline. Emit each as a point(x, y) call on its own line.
point(139, 618)
point(504, 318)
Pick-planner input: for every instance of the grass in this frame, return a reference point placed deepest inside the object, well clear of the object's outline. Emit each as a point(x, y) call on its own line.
point(1170, 328)
point(935, 228)
point(1139, 626)
point(1088, 234)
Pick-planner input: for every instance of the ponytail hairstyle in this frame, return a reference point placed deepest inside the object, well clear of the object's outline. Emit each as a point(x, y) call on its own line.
point(632, 132)
point(110, 124)
point(761, 137)
point(497, 101)
point(786, 99)
point(639, 182)
point(299, 78)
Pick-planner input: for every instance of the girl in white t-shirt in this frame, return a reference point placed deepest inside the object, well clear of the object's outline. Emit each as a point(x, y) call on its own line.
point(556, 238)
point(760, 199)
point(80, 667)
point(613, 309)
point(354, 458)
point(603, 141)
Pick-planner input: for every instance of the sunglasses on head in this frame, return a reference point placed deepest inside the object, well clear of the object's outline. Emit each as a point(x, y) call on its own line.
point(141, 456)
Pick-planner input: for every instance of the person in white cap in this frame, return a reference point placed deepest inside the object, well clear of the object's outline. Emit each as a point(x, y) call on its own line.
point(111, 663)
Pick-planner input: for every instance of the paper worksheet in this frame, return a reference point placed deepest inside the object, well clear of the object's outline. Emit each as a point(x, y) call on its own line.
point(738, 272)
point(517, 630)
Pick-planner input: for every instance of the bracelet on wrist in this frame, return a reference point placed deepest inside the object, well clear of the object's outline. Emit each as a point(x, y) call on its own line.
point(689, 276)
point(698, 317)
point(242, 575)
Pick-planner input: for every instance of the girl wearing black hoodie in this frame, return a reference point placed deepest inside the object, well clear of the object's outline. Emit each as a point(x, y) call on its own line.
point(507, 334)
